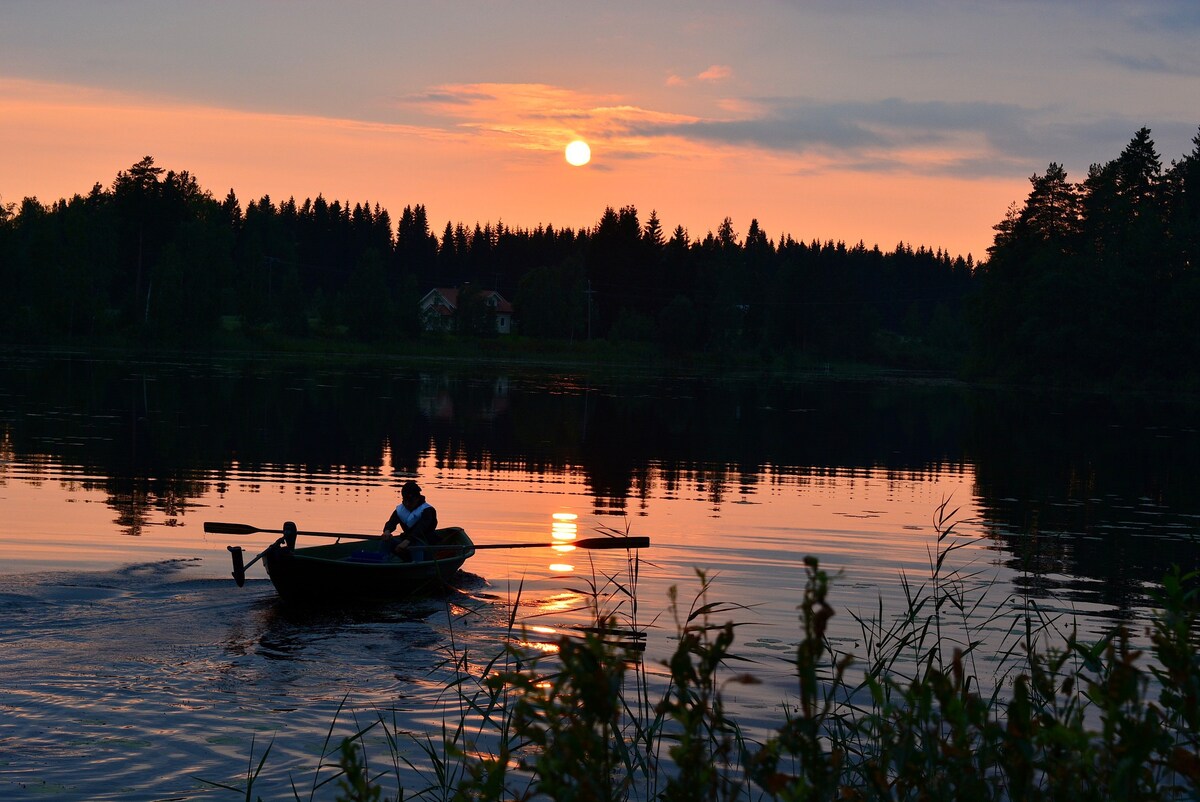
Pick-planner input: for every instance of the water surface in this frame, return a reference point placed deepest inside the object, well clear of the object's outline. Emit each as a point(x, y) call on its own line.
point(134, 664)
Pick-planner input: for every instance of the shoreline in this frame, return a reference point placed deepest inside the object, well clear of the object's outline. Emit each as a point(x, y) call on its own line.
point(598, 358)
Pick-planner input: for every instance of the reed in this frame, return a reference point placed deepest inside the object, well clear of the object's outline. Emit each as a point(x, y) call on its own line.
point(922, 713)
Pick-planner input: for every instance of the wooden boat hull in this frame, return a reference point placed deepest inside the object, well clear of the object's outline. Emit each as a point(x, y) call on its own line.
point(354, 569)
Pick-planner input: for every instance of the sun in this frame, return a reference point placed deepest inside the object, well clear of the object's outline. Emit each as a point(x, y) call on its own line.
point(578, 153)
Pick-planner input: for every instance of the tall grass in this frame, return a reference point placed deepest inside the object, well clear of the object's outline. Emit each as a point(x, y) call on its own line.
point(957, 696)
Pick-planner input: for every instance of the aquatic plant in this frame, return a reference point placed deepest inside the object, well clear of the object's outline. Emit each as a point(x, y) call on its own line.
point(909, 718)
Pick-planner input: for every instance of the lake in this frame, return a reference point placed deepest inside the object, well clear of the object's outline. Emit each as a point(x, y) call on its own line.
point(134, 665)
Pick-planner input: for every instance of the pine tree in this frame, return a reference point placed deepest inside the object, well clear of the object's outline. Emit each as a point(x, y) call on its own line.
point(1052, 211)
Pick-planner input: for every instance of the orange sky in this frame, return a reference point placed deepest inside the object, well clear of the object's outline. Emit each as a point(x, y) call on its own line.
point(501, 162)
point(821, 120)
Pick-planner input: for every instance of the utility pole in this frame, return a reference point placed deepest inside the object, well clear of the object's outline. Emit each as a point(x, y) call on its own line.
point(588, 293)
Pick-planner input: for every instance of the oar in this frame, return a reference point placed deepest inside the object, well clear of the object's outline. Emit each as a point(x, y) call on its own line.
point(218, 528)
point(215, 527)
point(586, 543)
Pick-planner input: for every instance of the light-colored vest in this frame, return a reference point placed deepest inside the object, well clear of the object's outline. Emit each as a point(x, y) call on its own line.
point(407, 517)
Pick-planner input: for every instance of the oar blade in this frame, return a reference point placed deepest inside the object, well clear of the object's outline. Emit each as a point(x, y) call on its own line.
point(218, 528)
point(610, 543)
point(239, 569)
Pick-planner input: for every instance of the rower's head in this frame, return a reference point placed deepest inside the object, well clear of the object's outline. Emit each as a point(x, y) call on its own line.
point(411, 491)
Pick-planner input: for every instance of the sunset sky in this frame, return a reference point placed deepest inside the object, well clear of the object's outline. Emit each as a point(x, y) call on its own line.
point(916, 121)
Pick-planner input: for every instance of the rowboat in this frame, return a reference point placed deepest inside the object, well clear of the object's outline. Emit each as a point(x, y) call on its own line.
point(358, 568)
point(333, 572)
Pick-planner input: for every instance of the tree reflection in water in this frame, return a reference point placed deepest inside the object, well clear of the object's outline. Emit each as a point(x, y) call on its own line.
point(1086, 488)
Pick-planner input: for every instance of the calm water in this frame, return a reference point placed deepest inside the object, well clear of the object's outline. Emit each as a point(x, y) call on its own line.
point(133, 664)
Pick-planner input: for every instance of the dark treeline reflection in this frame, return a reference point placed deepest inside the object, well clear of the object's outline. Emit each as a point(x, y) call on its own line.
point(143, 422)
point(1089, 496)
point(1069, 487)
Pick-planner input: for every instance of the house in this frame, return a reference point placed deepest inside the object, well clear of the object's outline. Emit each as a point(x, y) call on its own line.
point(438, 308)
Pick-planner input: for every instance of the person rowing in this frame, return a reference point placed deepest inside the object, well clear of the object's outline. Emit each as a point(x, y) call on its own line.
point(417, 520)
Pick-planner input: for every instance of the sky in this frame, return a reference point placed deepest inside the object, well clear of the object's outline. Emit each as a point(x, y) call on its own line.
point(917, 121)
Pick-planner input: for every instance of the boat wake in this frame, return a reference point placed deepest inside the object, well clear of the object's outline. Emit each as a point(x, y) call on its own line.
point(127, 684)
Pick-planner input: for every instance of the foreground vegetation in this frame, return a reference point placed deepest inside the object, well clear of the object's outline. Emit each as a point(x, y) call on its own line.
point(912, 717)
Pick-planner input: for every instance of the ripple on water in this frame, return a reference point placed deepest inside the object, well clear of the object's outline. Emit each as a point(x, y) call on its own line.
point(129, 684)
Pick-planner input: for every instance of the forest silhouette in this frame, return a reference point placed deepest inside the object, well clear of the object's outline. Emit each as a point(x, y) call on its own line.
point(1091, 283)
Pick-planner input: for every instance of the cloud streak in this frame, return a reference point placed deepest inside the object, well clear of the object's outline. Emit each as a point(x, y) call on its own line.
point(966, 139)
point(1151, 63)
point(885, 136)
point(715, 73)
point(538, 116)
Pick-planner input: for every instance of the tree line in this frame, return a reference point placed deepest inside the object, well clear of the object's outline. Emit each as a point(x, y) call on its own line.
point(1095, 280)
point(156, 256)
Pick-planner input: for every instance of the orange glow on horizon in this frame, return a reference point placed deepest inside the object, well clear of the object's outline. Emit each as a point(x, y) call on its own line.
point(488, 161)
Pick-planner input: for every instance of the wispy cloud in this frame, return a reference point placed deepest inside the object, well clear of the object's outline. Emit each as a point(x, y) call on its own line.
point(883, 136)
point(717, 72)
point(981, 139)
point(888, 136)
point(539, 116)
point(874, 136)
point(1174, 16)
point(1152, 63)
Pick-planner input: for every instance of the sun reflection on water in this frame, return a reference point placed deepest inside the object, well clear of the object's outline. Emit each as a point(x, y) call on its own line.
point(564, 526)
point(563, 529)
point(539, 646)
point(547, 646)
point(559, 603)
